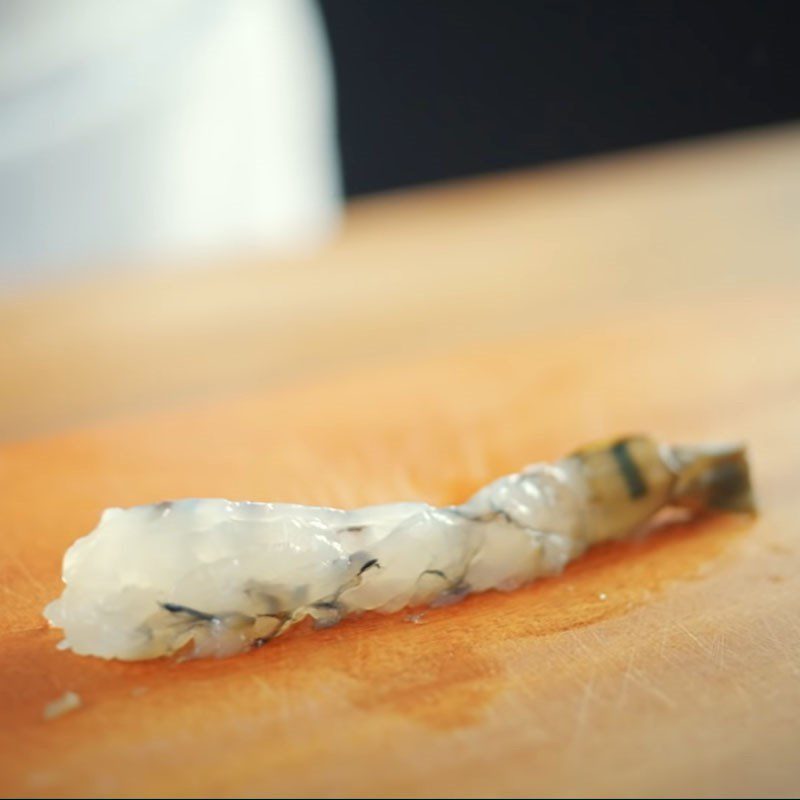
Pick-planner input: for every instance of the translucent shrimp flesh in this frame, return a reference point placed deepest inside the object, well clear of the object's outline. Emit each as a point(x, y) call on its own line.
point(214, 578)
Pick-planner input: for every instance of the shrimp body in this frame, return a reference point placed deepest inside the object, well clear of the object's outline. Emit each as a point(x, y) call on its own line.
point(214, 577)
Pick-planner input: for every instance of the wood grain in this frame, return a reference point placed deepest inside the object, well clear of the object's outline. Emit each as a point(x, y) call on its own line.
point(657, 667)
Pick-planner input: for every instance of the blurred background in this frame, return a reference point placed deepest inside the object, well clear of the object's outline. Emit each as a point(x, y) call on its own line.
point(132, 130)
point(428, 91)
point(185, 183)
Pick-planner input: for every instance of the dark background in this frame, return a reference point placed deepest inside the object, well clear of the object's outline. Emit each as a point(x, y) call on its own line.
point(433, 89)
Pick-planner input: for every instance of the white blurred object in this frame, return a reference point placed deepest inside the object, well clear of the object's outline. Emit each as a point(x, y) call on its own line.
point(160, 128)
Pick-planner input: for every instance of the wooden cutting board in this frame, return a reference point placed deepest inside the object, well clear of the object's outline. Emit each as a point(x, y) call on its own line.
point(663, 666)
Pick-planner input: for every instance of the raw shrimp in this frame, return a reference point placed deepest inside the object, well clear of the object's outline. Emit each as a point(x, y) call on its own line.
point(213, 577)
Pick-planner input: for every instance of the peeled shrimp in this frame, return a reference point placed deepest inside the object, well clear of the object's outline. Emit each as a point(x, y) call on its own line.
point(214, 578)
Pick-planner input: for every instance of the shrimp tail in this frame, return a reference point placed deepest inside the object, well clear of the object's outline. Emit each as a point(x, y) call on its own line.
point(713, 477)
